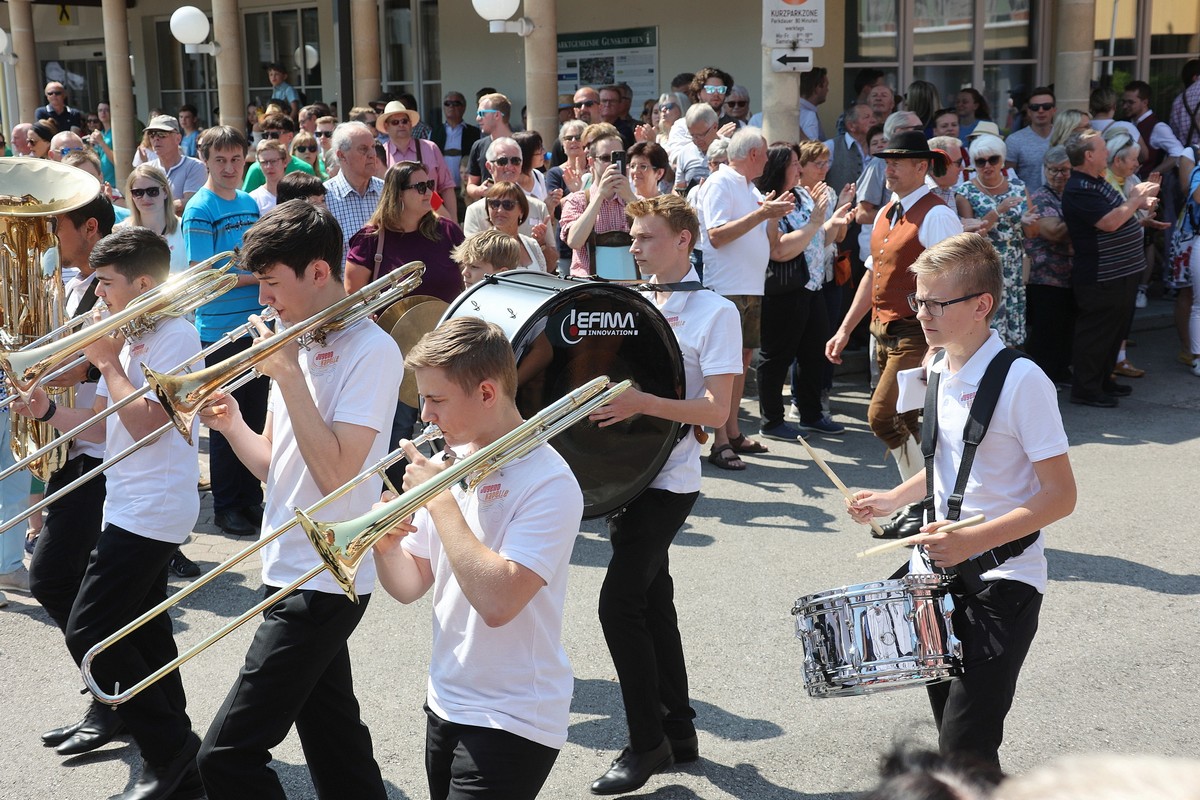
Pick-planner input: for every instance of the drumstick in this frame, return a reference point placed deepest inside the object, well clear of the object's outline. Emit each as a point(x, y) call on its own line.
point(837, 482)
point(953, 526)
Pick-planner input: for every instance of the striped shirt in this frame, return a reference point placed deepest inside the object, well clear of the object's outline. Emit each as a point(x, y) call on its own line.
point(349, 208)
point(1099, 255)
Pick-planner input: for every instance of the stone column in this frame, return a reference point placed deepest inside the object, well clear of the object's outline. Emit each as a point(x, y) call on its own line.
point(368, 70)
point(120, 85)
point(541, 69)
point(29, 84)
point(231, 68)
point(780, 102)
point(1074, 39)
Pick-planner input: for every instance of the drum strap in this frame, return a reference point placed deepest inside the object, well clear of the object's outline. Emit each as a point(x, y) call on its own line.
point(978, 419)
point(682, 286)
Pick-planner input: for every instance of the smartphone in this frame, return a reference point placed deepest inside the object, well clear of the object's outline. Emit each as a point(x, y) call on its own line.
point(618, 158)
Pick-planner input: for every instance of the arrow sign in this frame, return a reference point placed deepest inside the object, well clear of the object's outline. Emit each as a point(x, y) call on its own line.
point(786, 60)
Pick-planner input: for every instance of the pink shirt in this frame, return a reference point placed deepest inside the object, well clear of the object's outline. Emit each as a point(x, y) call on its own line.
point(430, 155)
point(611, 218)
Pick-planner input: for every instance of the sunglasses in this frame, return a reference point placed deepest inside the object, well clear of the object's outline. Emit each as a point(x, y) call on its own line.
point(151, 192)
point(93, 121)
point(323, 134)
point(507, 205)
point(990, 161)
point(159, 134)
point(1041, 106)
point(483, 112)
point(737, 103)
point(504, 161)
point(398, 120)
point(716, 89)
point(585, 104)
point(607, 159)
point(421, 187)
point(66, 151)
point(54, 94)
point(667, 107)
point(453, 104)
point(272, 134)
point(305, 148)
point(575, 137)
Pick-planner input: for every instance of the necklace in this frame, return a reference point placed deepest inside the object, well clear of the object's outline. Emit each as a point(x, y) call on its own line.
point(989, 189)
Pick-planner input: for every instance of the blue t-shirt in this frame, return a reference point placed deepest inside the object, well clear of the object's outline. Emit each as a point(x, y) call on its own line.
point(287, 93)
point(210, 226)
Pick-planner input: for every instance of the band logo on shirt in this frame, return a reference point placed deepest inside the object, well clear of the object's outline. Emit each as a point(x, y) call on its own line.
point(575, 324)
point(137, 349)
point(492, 492)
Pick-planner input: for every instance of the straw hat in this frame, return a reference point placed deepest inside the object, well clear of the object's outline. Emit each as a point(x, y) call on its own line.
point(395, 108)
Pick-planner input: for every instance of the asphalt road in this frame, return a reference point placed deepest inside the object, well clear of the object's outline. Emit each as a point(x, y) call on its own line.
point(1110, 669)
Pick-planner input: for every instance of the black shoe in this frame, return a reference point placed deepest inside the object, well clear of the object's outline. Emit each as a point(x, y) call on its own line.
point(183, 566)
point(907, 523)
point(234, 523)
point(56, 736)
point(97, 729)
point(159, 782)
point(631, 770)
point(685, 750)
point(253, 515)
point(1096, 401)
point(190, 788)
point(1114, 389)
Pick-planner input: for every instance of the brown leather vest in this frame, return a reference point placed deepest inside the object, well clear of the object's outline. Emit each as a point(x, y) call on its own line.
point(894, 251)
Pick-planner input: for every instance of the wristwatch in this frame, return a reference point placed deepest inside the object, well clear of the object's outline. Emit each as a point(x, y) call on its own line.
point(49, 412)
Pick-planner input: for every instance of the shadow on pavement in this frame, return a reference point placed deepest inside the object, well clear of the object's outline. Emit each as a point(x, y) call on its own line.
point(1067, 566)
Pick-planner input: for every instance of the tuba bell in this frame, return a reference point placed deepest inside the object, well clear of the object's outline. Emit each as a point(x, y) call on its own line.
point(33, 303)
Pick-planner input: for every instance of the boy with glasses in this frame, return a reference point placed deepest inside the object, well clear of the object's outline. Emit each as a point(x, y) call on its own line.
point(492, 116)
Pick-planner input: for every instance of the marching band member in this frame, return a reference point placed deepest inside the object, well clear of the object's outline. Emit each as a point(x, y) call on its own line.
point(637, 607)
point(150, 508)
point(329, 414)
point(1020, 479)
point(497, 558)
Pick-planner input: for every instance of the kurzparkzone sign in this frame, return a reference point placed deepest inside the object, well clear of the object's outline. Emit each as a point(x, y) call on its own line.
point(793, 24)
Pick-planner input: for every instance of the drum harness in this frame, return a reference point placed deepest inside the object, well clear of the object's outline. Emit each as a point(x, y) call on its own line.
point(969, 572)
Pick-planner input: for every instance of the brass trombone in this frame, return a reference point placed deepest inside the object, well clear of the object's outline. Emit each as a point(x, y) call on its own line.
point(342, 546)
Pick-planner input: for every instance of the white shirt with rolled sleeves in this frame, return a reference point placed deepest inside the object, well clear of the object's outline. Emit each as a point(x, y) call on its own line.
point(738, 267)
point(1025, 428)
point(709, 333)
point(939, 224)
point(353, 378)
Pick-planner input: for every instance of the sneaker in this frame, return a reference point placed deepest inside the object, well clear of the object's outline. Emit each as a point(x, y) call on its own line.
point(1141, 301)
point(3, 600)
point(823, 425)
point(1196, 367)
point(16, 581)
point(30, 542)
point(1185, 358)
point(793, 413)
point(784, 432)
point(183, 566)
point(1127, 370)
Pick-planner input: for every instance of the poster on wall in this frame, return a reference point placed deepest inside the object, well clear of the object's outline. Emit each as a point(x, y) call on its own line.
point(600, 58)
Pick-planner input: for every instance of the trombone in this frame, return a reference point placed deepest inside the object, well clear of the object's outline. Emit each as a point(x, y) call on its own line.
point(341, 547)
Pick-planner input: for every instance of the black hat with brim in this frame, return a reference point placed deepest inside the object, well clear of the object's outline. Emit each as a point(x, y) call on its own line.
point(912, 144)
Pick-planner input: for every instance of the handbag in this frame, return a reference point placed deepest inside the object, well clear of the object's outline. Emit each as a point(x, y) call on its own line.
point(784, 277)
point(1183, 239)
point(841, 268)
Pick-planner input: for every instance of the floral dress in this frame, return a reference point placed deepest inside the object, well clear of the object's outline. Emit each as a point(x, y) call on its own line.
point(1008, 238)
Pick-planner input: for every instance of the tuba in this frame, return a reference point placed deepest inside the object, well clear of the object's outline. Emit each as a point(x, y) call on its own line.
point(33, 303)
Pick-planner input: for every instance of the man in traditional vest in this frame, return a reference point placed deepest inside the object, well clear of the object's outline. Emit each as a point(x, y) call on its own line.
point(913, 220)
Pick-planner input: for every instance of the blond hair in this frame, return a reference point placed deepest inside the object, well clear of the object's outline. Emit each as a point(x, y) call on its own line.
point(671, 207)
point(470, 351)
point(1107, 776)
point(971, 260)
point(492, 247)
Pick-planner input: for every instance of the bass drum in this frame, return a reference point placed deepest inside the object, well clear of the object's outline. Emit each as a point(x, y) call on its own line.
point(566, 332)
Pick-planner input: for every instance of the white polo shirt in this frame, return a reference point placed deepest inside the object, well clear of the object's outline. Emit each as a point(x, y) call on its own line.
point(353, 378)
point(738, 267)
point(1025, 428)
point(709, 333)
point(85, 393)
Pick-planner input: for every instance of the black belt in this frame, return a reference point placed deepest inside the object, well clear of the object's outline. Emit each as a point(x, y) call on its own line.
point(452, 152)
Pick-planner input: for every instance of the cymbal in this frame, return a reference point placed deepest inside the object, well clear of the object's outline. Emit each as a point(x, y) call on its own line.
point(408, 330)
point(387, 320)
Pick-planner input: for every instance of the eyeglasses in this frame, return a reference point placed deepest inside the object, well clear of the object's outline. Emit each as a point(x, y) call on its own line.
point(504, 161)
point(323, 134)
point(305, 148)
point(607, 159)
point(93, 121)
point(159, 134)
point(272, 134)
point(54, 94)
point(574, 137)
point(150, 191)
point(820, 164)
point(990, 161)
point(421, 187)
point(507, 205)
point(737, 103)
point(1058, 170)
point(716, 89)
point(66, 151)
point(269, 162)
point(483, 112)
point(584, 104)
point(399, 119)
point(1041, 106)
point(936, 307)
point(696, 137)
point(453, 104)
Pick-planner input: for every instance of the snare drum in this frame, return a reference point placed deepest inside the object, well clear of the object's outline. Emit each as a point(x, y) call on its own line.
point(566, 332)
point(873, 637)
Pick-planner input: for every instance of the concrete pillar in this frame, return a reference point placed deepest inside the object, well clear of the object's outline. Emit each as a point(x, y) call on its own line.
point(541, 68)
point(780, 102)
point(231, 69)
point(368, 71)
point(29, 81)
point(1074, 26)
point(120, 85)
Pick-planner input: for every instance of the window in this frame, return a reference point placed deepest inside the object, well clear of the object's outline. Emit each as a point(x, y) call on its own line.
point(412, 54)
point(1149, 40)
point(288, 37)
point(184, 77)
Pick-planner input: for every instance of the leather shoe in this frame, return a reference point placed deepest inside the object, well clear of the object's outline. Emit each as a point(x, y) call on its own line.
point(234, 523)
point(907, 523)
point(56, 736)
point(1114, 389)
point(630, 770)
point(96, 729)
point(1095, 401)
point(254, 514)
point(685, 750)
point(158, 782)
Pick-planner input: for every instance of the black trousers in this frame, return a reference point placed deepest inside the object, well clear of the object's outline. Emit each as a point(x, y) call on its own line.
point(466, 761)
point(1104, 312)
point(1050, 328)
point(641, 627)
point(794, 327)
point(234, 486)
point(127, 575)
point(997, 627)
point(67, 539)
point(404, 421)
point(297, 672)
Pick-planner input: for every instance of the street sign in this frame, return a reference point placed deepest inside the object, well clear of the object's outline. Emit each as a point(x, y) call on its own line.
point(793, 23)
point(785, 60)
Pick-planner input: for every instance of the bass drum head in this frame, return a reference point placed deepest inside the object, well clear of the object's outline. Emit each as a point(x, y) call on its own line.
point(567, 332)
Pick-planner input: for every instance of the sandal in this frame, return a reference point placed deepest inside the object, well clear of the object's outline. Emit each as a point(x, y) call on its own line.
point(740, 444)
point(725, 457)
